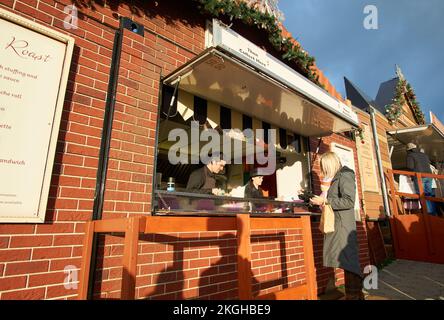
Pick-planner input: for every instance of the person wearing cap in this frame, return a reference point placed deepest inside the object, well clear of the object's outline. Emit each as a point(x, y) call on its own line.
point(203, 180)
point(419, 162)
point(252, 188)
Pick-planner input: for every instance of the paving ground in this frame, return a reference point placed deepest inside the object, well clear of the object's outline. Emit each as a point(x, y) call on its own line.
point(410, 280)
point(403, 280)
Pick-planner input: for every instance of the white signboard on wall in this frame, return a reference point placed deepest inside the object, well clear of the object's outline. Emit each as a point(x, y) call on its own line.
point(34, 67)
point(347, 157)
point(367, 164)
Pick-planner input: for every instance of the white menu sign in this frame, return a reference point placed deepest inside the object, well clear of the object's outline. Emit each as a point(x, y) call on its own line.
point(34, 67)
point(367, 164)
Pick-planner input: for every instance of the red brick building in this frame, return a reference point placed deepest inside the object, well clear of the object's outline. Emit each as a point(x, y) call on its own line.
point(33, 256)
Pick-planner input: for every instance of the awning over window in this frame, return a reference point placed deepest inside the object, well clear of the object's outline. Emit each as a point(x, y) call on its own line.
point(427, 137)
point(254, 83)
point(286, 140)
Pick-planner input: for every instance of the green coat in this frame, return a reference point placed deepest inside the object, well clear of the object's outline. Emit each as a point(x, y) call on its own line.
point(341, 248)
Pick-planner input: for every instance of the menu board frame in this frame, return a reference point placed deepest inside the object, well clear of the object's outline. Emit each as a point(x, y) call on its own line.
point(371, 182)
point(33, 211)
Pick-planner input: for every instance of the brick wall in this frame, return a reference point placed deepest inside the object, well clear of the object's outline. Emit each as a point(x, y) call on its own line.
point(33, 257)
point(190, 265)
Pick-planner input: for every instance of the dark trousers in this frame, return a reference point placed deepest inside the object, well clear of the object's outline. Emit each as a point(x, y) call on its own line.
point(353, 286)
point(429, 192)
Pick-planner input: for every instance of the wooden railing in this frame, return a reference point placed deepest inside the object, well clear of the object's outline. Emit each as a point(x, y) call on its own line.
point(394, 193)
point(242, 223)
point(421, 196)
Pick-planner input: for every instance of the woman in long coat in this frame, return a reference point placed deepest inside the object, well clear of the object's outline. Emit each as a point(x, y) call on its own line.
point(341, 246)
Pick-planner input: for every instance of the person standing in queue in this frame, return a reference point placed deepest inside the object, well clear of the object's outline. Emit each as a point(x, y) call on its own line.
point(341, 246)
point(419, 162)
point(203, 180)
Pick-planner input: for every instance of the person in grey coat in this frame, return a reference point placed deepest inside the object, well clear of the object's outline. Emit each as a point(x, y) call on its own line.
point(341, 248)
point(418, 161)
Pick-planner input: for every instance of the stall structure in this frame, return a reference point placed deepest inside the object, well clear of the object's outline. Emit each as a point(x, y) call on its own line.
point(390, 196)
point(111, 229)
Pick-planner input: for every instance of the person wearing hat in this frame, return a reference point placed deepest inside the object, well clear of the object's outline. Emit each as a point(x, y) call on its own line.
point(419, 162)
point(252, 188)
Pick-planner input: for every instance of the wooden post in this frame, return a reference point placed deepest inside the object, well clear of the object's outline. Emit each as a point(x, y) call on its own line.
point(425, 214)
point(382, 238)
point(393, 192)
point(244, 273)
point(421, 194)
point(309, 258)
point(86, 261)
point(394, 219)
point(130, 258)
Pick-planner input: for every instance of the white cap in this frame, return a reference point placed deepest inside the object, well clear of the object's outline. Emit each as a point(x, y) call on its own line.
point(411, 146)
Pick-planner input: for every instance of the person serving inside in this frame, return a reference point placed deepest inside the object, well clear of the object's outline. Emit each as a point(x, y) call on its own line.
point(203, 180)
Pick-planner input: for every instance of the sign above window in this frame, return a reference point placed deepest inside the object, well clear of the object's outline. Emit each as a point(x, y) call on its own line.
point(227, 39)
point(236, 73)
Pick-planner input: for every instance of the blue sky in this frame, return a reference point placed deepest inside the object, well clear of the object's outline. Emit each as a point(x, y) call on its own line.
point(410, 33)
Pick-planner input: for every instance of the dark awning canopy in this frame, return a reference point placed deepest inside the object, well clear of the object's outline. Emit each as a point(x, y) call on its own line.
point(427, 137)
point(256, 84)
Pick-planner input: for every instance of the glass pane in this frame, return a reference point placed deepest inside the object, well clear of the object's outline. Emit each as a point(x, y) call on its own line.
point(179, 155)
point(194, 203)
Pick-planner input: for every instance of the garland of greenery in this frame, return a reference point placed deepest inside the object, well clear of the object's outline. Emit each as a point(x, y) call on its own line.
point(411, 98)
point(360, 133)
point(239, 10)
point(404, 93)
point(394, 110)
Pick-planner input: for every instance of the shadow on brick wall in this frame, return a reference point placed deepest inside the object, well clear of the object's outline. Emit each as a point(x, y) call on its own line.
point(171, 11)
point(50, 216)
point(197, 268)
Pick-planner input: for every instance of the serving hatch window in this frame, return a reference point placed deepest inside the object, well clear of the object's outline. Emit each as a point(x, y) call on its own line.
point(208, 148)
